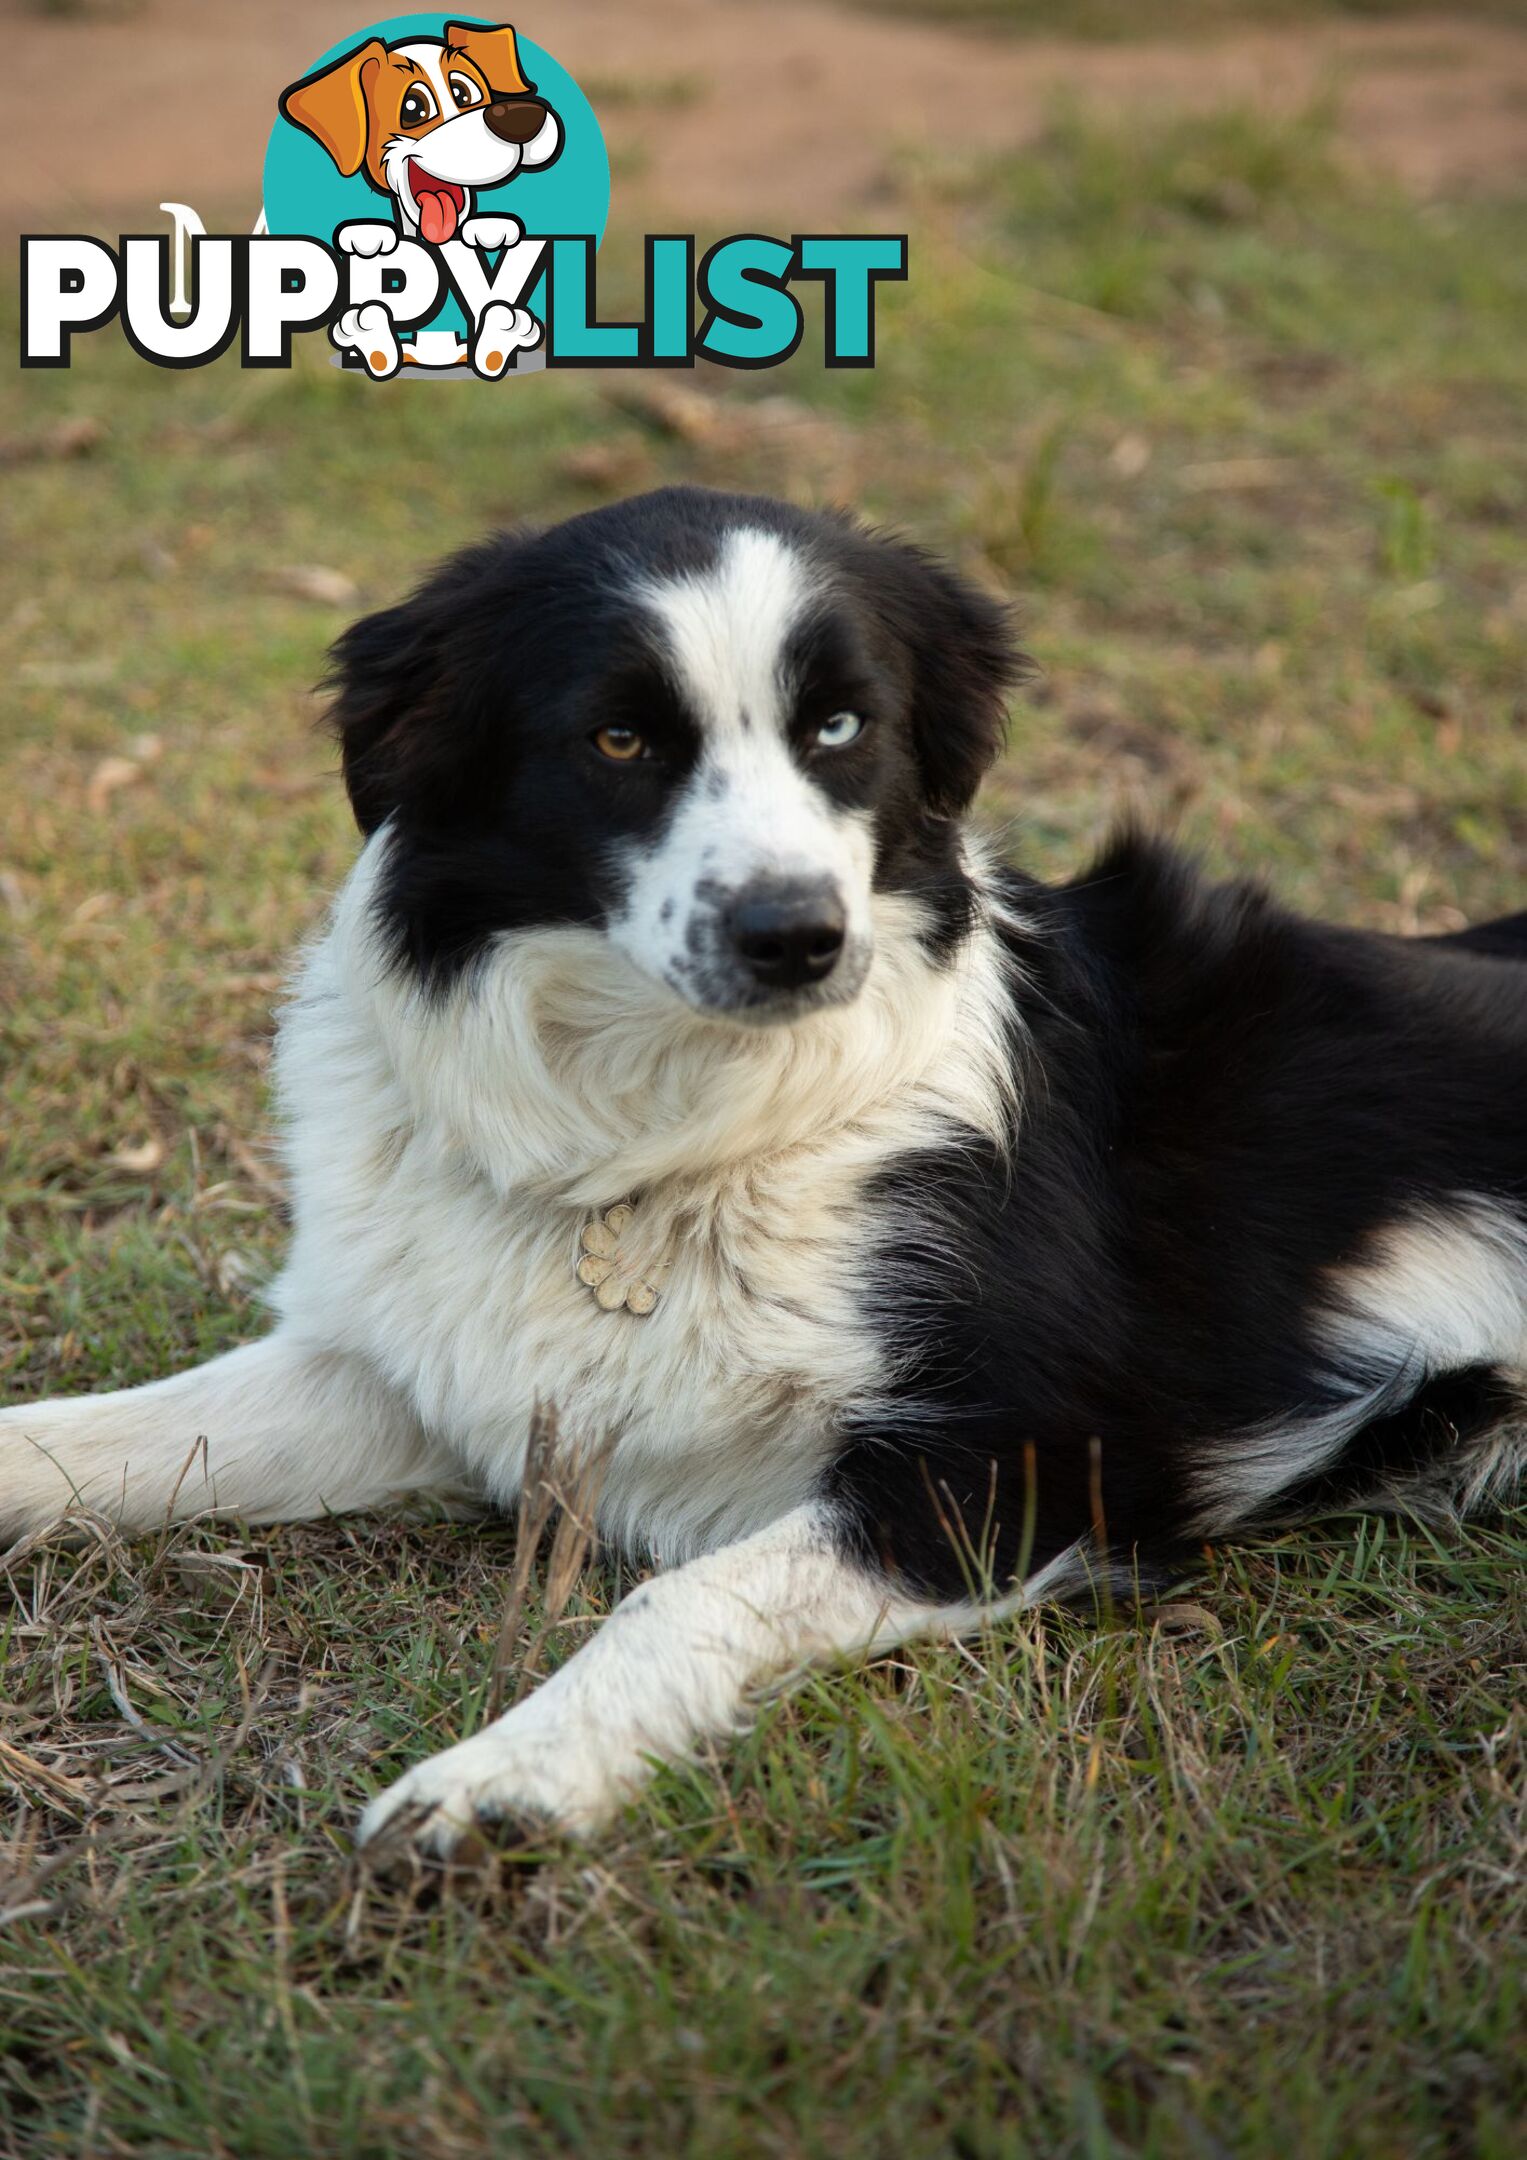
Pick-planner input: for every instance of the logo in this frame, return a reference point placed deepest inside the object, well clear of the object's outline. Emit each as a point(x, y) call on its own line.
point(435, 192)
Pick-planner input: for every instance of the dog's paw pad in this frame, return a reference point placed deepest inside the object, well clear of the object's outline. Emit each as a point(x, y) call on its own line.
point(451, 1824)
point(421, 1852)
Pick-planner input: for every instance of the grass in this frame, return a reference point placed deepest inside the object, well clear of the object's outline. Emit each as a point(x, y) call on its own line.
point(1245, 438)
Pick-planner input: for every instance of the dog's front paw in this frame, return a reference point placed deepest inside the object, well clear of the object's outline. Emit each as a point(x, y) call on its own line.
point(368, 330)
point(502, 332)
point(492, 232)
point(366, 237)
point(497, 1781)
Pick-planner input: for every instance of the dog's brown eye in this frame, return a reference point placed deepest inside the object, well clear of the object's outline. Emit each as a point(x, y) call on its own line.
point(465, 92)
point(620, 743)
point(417, 107)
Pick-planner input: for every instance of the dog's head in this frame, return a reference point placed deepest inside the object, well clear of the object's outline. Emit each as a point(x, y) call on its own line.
point(429, 119)
point(712, 727)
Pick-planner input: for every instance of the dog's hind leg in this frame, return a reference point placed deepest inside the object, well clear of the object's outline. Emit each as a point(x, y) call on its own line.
point(277, 1431)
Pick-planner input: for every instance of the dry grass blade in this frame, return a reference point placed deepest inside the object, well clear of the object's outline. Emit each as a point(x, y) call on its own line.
point(561, 1485)
point(24, 1771)
point(116, 1687)
point(536, 1507)
point(562, 1482)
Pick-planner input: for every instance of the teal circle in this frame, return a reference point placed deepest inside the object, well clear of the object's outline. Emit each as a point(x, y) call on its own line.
point(306, 193)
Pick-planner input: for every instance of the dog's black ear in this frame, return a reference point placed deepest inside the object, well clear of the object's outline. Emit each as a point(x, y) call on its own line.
point(419, 710)
point(965, 662)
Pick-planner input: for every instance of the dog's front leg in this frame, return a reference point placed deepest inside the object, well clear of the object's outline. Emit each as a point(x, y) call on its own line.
point(492, 233)
point(277, 1431)
point(367, 236)
point(676, 1662)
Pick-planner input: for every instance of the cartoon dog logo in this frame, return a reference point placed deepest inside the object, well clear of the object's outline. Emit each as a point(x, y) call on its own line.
point(429, 121)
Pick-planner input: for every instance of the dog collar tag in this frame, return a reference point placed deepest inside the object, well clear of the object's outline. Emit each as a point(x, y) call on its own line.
point(611, 1279)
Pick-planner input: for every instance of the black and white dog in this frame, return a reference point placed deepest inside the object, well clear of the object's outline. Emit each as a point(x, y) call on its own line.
point(923, 1239)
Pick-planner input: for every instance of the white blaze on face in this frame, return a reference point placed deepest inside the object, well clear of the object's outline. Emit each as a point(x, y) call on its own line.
point(749, 815)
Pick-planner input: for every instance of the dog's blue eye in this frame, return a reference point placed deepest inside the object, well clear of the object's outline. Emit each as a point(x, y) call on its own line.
point(839, 731)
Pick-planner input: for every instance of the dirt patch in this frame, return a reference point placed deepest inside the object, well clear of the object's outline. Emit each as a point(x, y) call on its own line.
point(720, 110)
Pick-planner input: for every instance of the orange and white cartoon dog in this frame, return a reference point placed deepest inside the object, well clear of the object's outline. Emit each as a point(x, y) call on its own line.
point(429, 121)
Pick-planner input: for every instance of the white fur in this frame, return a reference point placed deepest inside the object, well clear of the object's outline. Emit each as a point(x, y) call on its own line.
point(445, 1160)
point(278, 1431)
point(1434, 1293)
point(749, 813)
point(1453, 1288)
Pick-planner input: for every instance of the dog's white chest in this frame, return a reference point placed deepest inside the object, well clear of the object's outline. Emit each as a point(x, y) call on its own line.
point(720, 1402)
point(443, 1182)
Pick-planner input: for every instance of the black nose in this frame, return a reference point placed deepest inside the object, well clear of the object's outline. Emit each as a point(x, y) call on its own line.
point(516, 119)
point(788, 935)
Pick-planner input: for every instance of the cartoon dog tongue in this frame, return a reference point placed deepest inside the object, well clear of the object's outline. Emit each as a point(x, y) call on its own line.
point(437, 213)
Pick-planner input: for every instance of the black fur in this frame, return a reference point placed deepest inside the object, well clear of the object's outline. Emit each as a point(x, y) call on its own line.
point(1223, 1104)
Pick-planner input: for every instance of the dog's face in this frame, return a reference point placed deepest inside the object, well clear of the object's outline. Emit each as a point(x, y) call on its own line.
point(429, 120)
point(713, 727)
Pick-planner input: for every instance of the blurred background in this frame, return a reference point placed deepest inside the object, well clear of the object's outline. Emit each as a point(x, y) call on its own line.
point(1213, 359)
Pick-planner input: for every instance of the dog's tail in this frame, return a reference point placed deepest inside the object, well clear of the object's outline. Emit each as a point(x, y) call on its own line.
point(1503, 939)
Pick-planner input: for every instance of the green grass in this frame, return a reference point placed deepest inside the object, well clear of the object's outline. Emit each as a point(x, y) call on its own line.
point(1248, 443)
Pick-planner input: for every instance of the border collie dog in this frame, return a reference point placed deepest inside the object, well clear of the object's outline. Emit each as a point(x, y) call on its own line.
point(915, 1240)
